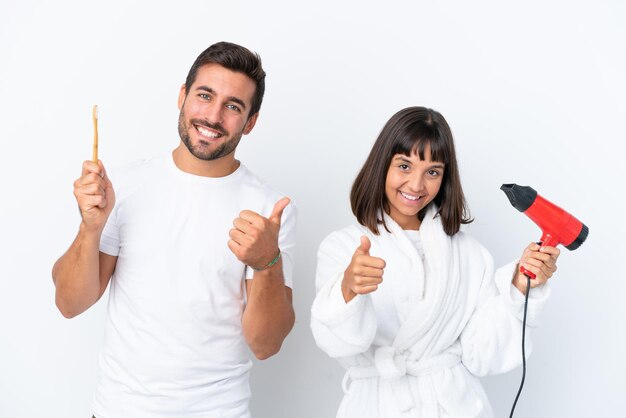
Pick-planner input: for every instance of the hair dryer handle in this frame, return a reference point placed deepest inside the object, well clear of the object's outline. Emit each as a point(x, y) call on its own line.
point(547, 240)
point(528, 273)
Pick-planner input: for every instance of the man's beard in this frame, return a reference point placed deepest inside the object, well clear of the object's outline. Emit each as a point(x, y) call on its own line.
point(202, 151)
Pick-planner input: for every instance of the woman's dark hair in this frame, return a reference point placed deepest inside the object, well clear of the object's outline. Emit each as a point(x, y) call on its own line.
point(410, 130)
point(235, 58)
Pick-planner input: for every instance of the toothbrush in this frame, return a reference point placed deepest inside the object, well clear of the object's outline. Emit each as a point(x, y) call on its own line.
point(95, 133)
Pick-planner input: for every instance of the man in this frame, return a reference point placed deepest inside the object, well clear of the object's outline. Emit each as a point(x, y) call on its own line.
point(175, 239)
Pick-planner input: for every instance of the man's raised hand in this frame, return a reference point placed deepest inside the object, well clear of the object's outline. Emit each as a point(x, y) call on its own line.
point(254, 238)
point(94, 194)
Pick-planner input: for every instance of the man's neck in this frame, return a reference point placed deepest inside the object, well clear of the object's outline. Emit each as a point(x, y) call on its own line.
point(220, 167)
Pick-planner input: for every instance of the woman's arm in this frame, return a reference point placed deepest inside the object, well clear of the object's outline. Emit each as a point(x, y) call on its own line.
point(491, 341)
point(341, 328)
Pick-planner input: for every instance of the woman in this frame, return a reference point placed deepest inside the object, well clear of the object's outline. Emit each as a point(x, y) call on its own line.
point(408, 304)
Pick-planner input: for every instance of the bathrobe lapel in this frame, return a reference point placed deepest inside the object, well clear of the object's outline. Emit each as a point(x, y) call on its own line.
point(404, 272)
point(441, 273)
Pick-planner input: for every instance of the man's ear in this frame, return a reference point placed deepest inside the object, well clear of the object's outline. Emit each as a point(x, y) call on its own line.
point(250, 123)
point(181, 96)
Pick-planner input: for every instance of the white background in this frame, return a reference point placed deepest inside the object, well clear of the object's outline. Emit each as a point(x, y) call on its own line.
point(534, 92)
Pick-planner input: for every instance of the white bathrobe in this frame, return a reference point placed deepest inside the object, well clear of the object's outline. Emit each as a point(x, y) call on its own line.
point(414, 347)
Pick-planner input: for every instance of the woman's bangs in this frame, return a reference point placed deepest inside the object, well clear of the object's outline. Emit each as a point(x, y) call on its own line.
point(418, 143)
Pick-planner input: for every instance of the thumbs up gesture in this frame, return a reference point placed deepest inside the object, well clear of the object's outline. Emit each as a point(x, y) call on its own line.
point(364, 273)
point(254, 238)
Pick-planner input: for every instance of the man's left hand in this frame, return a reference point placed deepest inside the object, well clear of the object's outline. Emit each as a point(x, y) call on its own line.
point(254, 238)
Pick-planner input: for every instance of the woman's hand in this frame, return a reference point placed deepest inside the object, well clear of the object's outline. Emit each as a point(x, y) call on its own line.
point(539, 260)
point(364, 273)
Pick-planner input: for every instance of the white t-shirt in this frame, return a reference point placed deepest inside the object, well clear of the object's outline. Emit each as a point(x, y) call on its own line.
point(414, 237)
point(173, 340)
point(416, 240)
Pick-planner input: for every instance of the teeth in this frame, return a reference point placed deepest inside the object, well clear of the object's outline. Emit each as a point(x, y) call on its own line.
point(409, 196)
point(208, 133)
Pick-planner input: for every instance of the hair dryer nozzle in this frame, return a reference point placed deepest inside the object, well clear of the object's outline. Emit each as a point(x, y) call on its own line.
point(582, 236)
point(521, 197)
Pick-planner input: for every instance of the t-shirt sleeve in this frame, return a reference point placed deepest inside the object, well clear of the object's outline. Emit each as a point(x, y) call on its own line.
point(286, 243)
point(110, 238)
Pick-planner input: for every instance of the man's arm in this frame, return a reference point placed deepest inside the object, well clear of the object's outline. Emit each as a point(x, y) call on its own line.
point(268, 316)
point(82, 274)
point(80, 278)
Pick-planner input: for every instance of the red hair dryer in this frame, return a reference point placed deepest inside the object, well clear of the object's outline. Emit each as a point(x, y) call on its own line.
point(558, 226)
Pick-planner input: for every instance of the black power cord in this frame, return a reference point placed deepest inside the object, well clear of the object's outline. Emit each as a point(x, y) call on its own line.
point(523, 346)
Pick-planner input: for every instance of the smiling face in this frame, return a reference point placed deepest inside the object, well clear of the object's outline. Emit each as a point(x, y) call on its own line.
point(214, 113)
point(411, 185)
